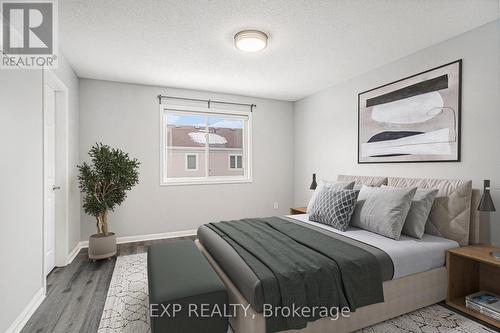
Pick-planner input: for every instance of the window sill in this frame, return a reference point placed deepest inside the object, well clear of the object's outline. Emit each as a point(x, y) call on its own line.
point(204, 182)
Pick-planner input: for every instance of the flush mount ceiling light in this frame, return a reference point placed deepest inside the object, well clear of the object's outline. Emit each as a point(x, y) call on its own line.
point(250, 40)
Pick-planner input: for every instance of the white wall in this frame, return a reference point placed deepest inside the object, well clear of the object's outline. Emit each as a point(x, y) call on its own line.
point(127, 116)
point(326, 122)
point(21, 201)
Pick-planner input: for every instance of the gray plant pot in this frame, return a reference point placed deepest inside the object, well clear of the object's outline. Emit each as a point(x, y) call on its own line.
point(102, 247)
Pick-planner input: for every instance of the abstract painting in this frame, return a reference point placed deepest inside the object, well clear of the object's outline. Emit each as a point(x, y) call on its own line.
point(415, 119)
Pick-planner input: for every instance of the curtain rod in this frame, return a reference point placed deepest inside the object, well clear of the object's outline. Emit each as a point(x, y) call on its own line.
point(208, 101)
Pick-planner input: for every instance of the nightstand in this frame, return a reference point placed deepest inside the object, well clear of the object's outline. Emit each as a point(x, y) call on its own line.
point(471, 269)
point(298, 210)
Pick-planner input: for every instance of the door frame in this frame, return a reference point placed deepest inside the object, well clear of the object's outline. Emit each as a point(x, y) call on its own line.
point(61, 215)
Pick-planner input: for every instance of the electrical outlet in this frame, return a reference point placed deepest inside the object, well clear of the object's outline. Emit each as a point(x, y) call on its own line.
point(276, 205)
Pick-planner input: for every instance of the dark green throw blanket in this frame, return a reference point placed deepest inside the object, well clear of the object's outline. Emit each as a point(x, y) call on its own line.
point(300, 267)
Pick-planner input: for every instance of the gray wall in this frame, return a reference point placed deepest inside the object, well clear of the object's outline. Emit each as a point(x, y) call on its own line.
point(21, 198)
point(326, 123)
point(127, 116)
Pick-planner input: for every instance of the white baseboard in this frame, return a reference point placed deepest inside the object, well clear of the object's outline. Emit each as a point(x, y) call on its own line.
point(26, 314)
point(142, 238)
point(72, 255)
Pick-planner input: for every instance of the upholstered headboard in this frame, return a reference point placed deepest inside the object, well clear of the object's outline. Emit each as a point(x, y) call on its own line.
point(363, 180)
point(453, 214)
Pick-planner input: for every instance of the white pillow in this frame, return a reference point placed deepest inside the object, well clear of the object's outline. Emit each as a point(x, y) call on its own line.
point(329, 184)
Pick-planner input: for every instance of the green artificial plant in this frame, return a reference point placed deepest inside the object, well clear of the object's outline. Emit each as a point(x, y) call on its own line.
point(105, 181)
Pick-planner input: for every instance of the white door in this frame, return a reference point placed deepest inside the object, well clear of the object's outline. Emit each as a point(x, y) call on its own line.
point(49, 158)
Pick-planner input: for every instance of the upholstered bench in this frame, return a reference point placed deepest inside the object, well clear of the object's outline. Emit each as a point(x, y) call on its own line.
point(184, 290)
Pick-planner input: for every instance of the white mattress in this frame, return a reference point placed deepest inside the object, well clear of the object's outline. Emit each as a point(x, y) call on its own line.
point(409, 255)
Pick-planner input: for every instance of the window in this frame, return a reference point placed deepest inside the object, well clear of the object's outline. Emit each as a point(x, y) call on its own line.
point(191, 162)
point(201, 145)
point(235, 161)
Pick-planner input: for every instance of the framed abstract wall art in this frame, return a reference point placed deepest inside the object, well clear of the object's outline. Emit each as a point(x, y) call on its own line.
point(415, 119)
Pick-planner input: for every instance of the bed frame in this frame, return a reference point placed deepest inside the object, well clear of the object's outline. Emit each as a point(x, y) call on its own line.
point(401, 295)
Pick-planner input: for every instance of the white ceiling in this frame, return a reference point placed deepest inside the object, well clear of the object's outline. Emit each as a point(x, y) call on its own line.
point(313, 44)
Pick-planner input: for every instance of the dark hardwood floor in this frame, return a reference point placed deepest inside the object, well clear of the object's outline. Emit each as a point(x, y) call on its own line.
point(76, 293)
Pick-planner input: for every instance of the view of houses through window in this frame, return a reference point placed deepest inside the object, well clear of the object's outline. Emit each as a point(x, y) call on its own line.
point(204, 146)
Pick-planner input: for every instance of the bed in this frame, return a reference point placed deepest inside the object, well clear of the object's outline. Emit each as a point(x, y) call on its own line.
point(413, 271)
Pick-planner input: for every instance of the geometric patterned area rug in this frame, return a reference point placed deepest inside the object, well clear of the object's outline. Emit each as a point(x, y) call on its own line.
point(127, 306)
point(434, 318)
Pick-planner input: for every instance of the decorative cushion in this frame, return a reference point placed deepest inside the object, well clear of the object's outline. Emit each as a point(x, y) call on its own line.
point(363, 180)
point(330, 184)
point(451, 212)
point(419, 212)
point(383, 210)
point(334, 207)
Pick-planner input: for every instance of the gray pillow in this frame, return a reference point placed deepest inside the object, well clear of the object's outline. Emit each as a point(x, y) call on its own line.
point(418, 214)
point(383, 210)
point(330, 184)
point(333, 207)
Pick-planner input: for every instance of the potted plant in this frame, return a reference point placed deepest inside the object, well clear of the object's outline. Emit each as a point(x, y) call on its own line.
point(104, 183)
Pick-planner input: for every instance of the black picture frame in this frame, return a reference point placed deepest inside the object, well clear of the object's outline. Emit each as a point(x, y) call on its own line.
point(458, 124)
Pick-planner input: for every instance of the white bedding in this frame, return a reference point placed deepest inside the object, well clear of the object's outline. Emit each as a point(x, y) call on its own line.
point(409, 255)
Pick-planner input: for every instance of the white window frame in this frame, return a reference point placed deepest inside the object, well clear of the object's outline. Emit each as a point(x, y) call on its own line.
point(247, 146)
point(196, 155)
point(235, 161)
